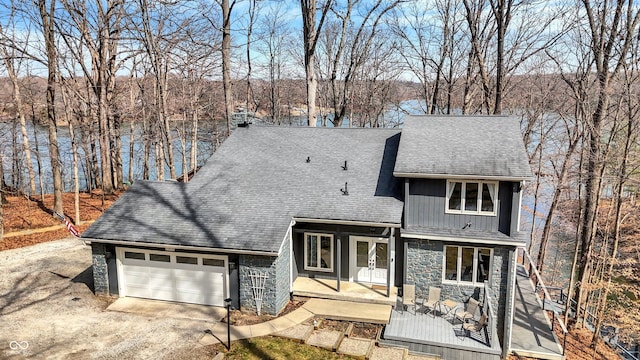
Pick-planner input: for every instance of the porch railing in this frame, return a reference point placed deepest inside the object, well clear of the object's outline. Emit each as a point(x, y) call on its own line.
point(487, 308)
point(532, 272)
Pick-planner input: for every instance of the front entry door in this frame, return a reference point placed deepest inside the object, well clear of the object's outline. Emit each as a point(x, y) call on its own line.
point(369, 259)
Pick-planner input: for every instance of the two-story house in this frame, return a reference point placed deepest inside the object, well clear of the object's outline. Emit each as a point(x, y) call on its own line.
point(436, 203)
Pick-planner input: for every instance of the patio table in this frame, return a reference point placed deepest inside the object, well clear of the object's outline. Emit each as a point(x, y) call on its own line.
point(449, 307)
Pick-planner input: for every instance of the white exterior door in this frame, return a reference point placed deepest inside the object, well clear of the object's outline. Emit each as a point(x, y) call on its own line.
point(172, 276)
point(369, 259)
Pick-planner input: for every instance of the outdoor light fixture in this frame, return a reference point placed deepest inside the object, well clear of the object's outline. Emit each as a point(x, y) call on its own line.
point(227, 304)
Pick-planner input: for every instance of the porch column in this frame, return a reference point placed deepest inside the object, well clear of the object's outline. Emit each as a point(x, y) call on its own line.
point(339, 256)
point(391, 253)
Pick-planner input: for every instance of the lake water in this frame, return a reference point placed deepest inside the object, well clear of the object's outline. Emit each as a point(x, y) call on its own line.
point(205, 149)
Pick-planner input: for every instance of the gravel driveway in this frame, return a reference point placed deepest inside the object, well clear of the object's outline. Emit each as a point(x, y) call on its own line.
point(48, 310)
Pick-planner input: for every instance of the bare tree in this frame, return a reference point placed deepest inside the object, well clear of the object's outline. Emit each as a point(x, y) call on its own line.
point(360, 39)
point(612, 26)
point(310, 33)
point(153, 37)
point(273, 39)
point(47, 18)
point(226, 60)
point(9, 55)
point(96, 32)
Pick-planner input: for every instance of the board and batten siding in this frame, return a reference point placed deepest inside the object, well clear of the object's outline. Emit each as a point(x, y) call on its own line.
point(425, 207)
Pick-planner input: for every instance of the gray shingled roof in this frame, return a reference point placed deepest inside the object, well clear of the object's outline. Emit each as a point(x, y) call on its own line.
point(248, 192)
point(463, 146)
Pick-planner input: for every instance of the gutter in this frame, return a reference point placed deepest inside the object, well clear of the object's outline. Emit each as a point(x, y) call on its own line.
point(459, 239)
point(345, 222)
point(166, 247)
point(451, 176)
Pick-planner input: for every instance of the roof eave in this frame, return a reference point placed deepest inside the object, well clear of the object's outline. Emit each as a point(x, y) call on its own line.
point(346, 222)
point(460, 239)
point(400, 174)
point(179, 247)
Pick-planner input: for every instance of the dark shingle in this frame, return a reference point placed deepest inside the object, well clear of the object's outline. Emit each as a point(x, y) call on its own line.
point(474, 146)
point(248, 192)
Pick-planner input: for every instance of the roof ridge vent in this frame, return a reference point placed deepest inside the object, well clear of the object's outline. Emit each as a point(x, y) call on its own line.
point(345, 191)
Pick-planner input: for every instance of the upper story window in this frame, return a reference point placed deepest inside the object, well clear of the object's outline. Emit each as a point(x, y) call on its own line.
point(472, 197)
point(318, 252)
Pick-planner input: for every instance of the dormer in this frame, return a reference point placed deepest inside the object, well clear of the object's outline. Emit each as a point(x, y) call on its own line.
point(462, 173)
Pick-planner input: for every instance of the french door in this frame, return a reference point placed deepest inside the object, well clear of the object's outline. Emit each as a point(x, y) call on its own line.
point(369, 259)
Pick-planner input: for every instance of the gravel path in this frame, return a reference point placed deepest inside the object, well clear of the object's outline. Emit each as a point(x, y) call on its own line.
point(48, 310)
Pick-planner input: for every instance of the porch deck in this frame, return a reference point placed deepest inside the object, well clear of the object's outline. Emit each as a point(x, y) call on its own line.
point(426, 334)
point(349, 291)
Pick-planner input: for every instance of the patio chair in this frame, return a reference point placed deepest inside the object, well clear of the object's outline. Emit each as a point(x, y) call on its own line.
point(409, 297)
point(433, 301)
point(469, 313)
point(476, 327)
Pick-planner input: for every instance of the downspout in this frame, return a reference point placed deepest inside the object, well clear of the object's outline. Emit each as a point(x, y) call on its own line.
point(291, 225)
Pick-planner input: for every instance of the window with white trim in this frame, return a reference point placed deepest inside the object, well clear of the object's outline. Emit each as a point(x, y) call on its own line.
point(318, 252)
point(472, 197)
point(466, 265)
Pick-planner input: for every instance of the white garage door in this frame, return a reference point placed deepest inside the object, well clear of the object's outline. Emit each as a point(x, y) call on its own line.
point(172, 276)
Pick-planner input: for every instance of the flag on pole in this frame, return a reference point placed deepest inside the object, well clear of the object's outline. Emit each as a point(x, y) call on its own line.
point(72, 229)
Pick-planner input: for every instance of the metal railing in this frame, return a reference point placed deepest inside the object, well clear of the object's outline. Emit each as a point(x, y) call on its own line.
point(539, 284)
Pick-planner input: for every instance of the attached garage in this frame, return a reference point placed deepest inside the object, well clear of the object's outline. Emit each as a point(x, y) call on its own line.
point(172, 276)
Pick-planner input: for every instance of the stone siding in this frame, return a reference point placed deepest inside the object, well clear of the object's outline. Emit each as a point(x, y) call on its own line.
point(100, 270)
point(424, 261)
point(276, 290)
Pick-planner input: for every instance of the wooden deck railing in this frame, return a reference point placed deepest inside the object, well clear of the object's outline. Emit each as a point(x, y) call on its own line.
point(532, 272)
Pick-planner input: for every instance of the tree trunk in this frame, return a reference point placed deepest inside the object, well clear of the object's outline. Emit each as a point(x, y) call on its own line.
point(37, 149)
point(131, 150)
point(95, 170)
point(310, 38)
point(546, 231)
point(74, 152)
point(226, 61)
point(23, 126)
point(194, 141)
point(47, 17)
point(1, 197)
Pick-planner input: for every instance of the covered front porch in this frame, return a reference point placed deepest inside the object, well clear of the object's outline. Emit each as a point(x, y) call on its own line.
point(348, 291)
point(349, 262)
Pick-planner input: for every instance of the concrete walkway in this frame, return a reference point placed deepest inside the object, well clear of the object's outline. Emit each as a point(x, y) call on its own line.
point(218, 333)
point(331, 309)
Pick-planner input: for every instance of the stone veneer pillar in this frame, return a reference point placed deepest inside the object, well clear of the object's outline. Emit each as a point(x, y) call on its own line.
point(100, 271)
